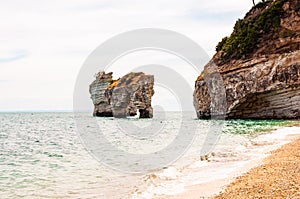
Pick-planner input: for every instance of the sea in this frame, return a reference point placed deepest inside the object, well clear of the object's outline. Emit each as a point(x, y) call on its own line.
point(69, 155)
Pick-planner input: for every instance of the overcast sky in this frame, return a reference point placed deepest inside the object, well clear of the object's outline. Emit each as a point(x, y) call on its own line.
point(44, 43)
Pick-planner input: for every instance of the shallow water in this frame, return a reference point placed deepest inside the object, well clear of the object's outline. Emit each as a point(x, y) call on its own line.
point(41, 154)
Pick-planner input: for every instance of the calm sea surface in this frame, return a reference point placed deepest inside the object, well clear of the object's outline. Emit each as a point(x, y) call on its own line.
point(41, 155)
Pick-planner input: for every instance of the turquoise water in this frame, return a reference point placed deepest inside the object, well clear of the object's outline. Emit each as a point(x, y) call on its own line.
point(41, 156)
point(253, 126)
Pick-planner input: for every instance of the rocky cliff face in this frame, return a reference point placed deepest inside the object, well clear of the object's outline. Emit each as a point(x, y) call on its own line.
point(259, 65)
point(123, 97)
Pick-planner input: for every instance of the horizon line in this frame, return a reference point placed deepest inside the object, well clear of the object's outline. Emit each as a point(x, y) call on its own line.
point(35, 111)
point(61, 111)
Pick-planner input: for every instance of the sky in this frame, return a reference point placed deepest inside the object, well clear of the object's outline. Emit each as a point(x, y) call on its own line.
point(45, 43)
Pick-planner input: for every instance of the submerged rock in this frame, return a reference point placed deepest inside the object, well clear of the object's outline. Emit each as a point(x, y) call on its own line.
point(259, 65)
point(124, 97)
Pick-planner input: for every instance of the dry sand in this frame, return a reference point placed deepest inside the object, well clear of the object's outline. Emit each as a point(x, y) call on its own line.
point(278, 177)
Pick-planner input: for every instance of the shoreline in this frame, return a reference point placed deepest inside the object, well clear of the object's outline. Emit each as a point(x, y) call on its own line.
point(264, 147)
point(277, 177)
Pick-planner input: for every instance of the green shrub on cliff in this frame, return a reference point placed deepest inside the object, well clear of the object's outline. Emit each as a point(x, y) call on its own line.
point(248, 32)
point(221, 44)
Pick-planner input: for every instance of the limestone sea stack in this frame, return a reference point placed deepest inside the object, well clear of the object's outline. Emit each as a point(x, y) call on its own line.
point(124, 97)
point(259, 64)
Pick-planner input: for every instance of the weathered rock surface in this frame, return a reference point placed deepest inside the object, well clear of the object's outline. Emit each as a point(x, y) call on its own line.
point(123, 97)
point(265, 83)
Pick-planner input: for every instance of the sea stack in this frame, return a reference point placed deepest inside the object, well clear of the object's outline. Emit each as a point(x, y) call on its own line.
point(123, 97)
point(259, 64)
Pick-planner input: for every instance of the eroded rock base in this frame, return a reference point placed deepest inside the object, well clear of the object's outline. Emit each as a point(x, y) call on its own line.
point(281, 104)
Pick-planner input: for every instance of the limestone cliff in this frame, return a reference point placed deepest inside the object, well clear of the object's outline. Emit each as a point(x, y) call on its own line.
point(123, 97)
point(259, 64)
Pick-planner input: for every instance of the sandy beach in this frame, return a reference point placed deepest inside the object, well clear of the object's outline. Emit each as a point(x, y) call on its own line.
point(278, 177)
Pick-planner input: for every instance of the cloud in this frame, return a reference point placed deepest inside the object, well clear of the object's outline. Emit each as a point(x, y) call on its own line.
point(14, 56)
point(98, 6)
point(4, 81)
point(209, 16)
point(61, 34)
